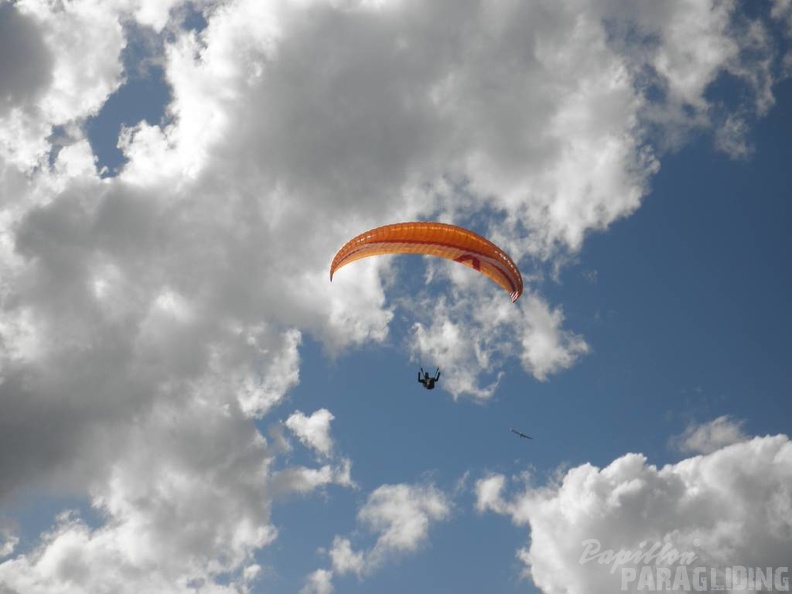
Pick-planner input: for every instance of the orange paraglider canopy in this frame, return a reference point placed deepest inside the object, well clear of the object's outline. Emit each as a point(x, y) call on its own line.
point(435, 239)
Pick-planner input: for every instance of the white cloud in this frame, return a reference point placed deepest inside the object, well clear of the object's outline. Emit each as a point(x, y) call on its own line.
point(457, 344)
point(344, 559)
point(300, 479)
point(319, 582)
point(21, 80)
point(75, 560)
point(400, 515)
point(8, 542)
point(730, 138)
point(729, 507)
point(186, 502)
point(698, 45)
point(313, 431)
point(547, 348)
point(706, 438)
point(278, 376)
point(473, 334)
point(676, 50)
point(489, 494)
point(782, 11)
point(72, 57)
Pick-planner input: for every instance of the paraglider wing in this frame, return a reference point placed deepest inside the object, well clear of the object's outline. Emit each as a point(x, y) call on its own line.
point(435, 239)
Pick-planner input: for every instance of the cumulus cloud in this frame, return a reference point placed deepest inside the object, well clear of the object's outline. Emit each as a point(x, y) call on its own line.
point(723, 509)
point(677, 50)
point(314, 430)
point(63, 62)
point(189, 501)
point(8, 541)
point(74, 559)
point(730, 137)
point(474, 333)
point(25, 60)
point(400, 515)
point(708, 437)
point(489, 494)
point(186, 502)
point(319, 582)
point(782, 10)
point(300, 479)
point(345, 559)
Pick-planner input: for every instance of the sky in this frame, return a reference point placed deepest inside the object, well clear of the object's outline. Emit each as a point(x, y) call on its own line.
point(189, 405)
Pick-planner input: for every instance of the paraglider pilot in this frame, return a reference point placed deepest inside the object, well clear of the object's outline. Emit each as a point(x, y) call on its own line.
point(427, 380)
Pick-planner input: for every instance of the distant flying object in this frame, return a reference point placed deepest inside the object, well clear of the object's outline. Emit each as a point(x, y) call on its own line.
point(521, 434)
point(435, 239)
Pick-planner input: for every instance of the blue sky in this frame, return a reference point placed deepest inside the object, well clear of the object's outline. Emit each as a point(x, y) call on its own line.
point(686, 315)
point(189, 405)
